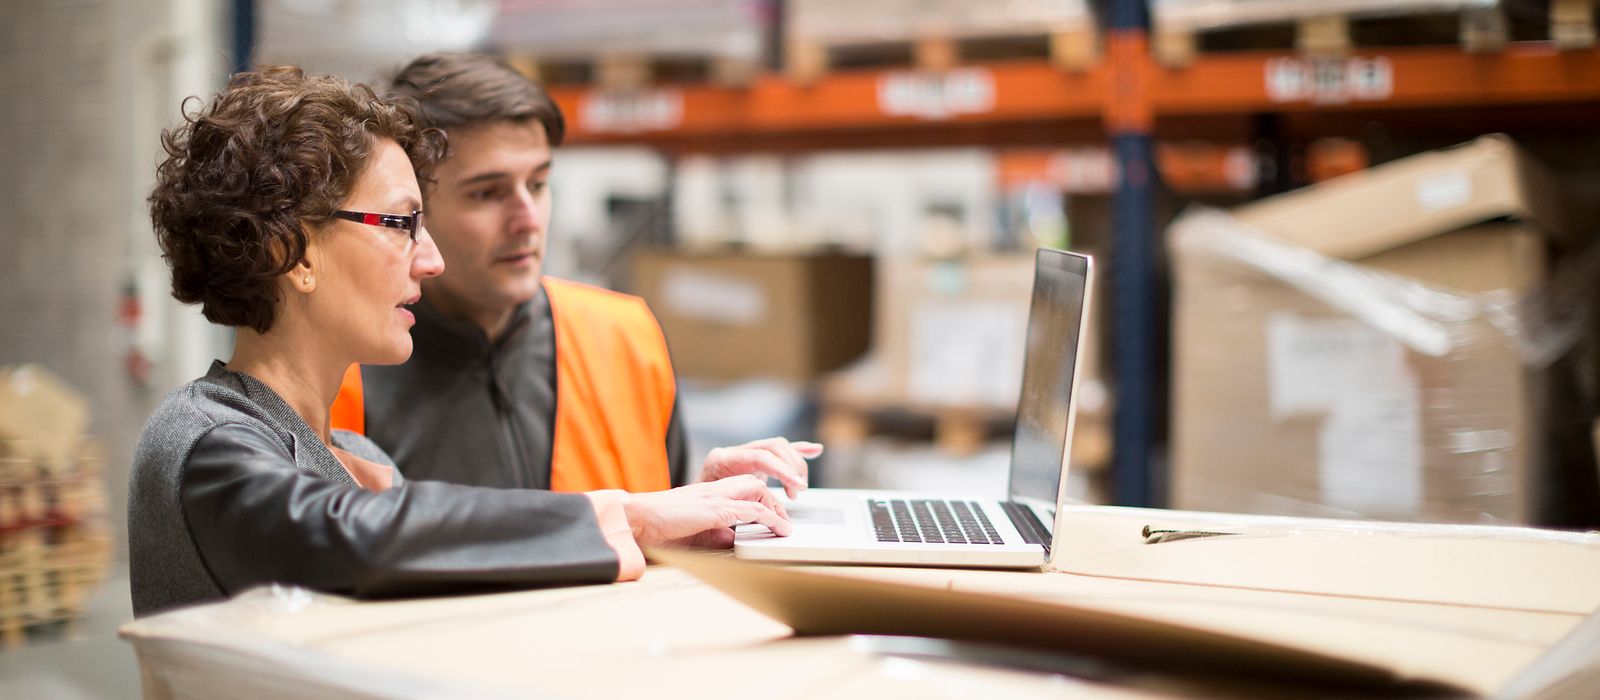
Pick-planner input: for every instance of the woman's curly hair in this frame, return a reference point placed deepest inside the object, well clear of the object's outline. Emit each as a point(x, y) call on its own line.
point(272, 155)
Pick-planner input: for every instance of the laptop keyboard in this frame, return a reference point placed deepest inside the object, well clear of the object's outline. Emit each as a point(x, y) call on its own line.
point(945, 522)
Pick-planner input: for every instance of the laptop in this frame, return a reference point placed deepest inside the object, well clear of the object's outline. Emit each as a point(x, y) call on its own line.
point(851, 526)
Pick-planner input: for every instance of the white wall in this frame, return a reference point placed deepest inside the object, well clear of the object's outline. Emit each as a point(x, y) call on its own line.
point(581, 180)
point(85, 86)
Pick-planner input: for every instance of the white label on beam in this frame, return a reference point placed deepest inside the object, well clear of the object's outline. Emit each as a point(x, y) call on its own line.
point(1329, 80)
point(936, 95)
point(630, 112)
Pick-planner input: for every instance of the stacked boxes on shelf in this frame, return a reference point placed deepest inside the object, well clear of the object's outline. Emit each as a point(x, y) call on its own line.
point(939, 34)
point(1405, 343)
point(54, 546)
point(734, 314)
point(622, 42)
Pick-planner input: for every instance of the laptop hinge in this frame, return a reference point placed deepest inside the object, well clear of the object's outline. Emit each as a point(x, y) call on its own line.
point(1026, 523)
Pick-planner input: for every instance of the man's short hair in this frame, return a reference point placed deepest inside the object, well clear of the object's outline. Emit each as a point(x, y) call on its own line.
point(451, 91)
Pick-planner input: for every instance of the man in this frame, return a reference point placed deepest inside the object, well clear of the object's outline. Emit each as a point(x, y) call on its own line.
point(519, 380)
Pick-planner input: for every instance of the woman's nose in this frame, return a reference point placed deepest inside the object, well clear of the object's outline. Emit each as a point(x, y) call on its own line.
point(428, 262)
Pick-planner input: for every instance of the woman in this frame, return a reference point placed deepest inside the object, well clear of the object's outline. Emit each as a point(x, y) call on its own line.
point(289, 209)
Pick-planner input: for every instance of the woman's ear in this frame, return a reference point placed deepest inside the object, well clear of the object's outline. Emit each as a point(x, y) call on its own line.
point(301, 276)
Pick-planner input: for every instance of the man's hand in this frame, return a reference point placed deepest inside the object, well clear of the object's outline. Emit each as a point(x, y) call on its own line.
point(774, 457)
point(702, 514)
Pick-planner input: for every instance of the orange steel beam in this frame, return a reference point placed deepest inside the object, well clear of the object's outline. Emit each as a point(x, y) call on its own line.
point(1532, 73)
point(1019, 91)
point(1216, 84)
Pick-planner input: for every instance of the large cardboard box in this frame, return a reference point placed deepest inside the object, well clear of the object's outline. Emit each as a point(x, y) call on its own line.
point(1370, 348)
point(737, 315)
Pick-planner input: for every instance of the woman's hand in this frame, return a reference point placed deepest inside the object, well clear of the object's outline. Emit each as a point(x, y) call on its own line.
point(703, 514)
point(774, 457)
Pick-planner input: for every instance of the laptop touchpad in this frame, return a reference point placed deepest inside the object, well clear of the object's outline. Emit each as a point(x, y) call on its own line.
point(815, 515)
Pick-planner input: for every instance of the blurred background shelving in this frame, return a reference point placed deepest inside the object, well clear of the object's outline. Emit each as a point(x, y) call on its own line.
point(1221, 101)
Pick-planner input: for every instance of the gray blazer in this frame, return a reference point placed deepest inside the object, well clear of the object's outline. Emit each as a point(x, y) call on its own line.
point(231, 489)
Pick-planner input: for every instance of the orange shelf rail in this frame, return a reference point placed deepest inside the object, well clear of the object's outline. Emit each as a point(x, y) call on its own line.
point(1004, 93)
point(986, 94)
point(1522, 74)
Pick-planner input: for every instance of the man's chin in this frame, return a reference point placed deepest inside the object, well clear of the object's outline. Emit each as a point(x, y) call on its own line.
point(521, 288)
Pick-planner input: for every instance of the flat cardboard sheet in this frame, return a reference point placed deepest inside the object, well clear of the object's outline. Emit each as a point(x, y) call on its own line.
point(1466, 565)
point(1305, 639)
point(666, 636)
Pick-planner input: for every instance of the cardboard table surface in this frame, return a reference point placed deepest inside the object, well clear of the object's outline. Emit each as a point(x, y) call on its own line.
point(670, 635)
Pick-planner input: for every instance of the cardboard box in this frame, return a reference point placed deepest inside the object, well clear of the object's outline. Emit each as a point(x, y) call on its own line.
point(951, 335)
point(740, 315)
point(1409, 385)
point(41, 417)
point(594, 28)
point(1385, 207)
point(953, 332)
point(842, 21)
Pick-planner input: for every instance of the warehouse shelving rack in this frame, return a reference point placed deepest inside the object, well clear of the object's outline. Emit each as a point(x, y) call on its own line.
point(1124, 99)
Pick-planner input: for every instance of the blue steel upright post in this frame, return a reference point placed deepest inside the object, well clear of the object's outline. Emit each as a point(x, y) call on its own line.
point(1134, 251)
point(244, 34)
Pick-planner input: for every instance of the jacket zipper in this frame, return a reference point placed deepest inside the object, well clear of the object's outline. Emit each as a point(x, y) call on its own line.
point(508, 427)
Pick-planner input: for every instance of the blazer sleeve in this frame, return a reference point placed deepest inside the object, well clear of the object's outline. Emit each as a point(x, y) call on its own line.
point(256, 518)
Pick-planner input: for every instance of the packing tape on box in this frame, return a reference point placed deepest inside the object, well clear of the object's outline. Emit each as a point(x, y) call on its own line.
point(1426, 319)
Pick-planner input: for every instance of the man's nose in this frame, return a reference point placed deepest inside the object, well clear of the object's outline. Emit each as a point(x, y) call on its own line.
point(525, 210)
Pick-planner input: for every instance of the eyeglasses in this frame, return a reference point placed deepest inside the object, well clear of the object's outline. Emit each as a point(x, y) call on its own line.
point(410, 223)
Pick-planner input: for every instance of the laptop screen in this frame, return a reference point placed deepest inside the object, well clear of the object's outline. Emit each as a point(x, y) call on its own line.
point(1060, 282)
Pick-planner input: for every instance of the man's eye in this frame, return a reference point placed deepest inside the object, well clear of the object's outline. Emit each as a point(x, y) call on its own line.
point(537, 187)
point(483, 195)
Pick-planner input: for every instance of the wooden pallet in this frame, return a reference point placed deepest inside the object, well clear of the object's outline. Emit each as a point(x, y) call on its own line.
point(1322, 30)
point(956, 430)
point(53, 551)
point(633, 71)
point(809, 58)
point(47, 576)
point(32, 495)
point(16, 465)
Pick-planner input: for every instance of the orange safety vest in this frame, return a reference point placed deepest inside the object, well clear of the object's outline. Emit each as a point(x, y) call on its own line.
point(614, 392)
